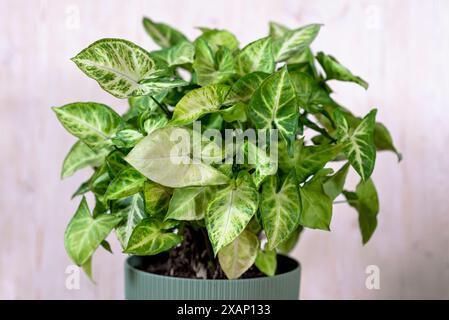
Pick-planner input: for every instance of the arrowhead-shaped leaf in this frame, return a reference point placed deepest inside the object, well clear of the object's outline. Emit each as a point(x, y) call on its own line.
point(157, 198)
point(81, 156)
point(294, 41)
point(189, 203)
point(266, 262)
point(333, 187)
point(277, 30)
point(164, 156)
point(280, 209)
point(219, 38)
point(239, 255)
point(179, 54)
point(164, 35)
point(126, 138)
point(149, 238)
point(243, 89)
point(85, 233)
point(93, 123)
point(230, 210)
point(274, 103)
point(126, 183)
point(199, 102)
point(334, 70)
point(256, 56)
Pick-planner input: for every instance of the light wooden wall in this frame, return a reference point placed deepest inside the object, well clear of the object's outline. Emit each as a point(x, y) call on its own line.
point(401, 47)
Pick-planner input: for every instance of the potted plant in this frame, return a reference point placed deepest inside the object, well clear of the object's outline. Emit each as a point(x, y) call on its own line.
point(212, 172)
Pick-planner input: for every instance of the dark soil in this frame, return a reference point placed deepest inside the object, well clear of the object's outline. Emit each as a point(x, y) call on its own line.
point(192, 259)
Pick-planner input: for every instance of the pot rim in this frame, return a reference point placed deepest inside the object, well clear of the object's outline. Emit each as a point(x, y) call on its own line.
point(297, 268)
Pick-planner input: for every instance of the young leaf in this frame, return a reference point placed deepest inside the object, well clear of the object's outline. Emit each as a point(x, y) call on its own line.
point(93, 123)
point(243, 89)
point(212, 67)
point(266, 262)
point(280, 209)
point(256, 56)
point(199, 102)
point(239, 255)
point(230, 210)
point(162, 158)
point(126, 183)
point(119, 66)
point(189, 203)
point(359, 144)
point(157, 198)
point(81, 156)
point(294, 41)
point(366, 202)
point(126, 138)
point(149, 238)
point(316, 204)
point(334, 70)
point(274, 103)
point(133, 212)
point(164, 35)
point(179, 54)
point(85, 233)
point(333, 187)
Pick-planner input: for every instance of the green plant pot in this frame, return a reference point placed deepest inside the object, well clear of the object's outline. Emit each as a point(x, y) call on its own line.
point(141, 285)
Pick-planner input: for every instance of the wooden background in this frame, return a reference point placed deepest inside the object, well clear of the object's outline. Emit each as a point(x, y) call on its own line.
point(401, 47)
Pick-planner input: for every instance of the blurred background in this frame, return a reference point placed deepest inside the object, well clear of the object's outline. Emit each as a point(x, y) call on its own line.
point(400, 47)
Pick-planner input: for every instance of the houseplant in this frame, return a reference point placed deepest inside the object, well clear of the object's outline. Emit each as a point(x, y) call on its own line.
point(211, 172)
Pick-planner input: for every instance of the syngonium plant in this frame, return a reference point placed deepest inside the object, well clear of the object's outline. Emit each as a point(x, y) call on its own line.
point(276, 82)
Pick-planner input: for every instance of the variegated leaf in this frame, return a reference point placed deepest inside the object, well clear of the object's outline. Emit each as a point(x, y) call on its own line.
point(179, 54)
point(358, 144)
point(189, 203)
point(133, 212)
point(93, 123)
point(154, 122)
point(334, 70)
point(256, 56)
point(316, 205)
point(230, 210)
point(126, 138)
point(266, 262)
point(239, 255)
point(140, 104)
point(290, 243)
point(366, 202)
point(277, 30)
point(119, 66)
point(81, 156)
point(262, 162)
point(212, 67)
point(149, 238)
point(199, 102)
point(164, 156)
point(126, 183)
point(274, 103)
point(157, 198)
point(294, 41)
point(280, 209)
point(115, 163)
point(243, 89)
point(219, 38)
point(235, 113)
point(85, 233)
point(164, 35)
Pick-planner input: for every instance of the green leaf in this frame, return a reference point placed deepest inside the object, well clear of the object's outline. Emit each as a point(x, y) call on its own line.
point(333, 187)
point(366, 202)
point(126, 138)
point(262, 163)
point(87, 268)
point(230, 210)
point(164, 156)
point(126, 183)
point(157, 198)
point(239, 255)
point(164, 35)
point(358, 144)
point(154, 122)
point(383, 140)
point(334, 70)
point(219, 39)
point(82, 189)
point(316, 204)
point(189, 203)
point(85, 233)
point(179, 54)
point(294, 41)
point(274, 103)
point(280, 209)
point(199, 102)
point(106, 246)
point(288, 245)
point(138, 105)
point(243, 89)
point(212, 67)
point(277, 30)
point(119, 66)
point(93, 123)
point(266, 262)
point(235, 113)
point(133, 212)
point(81, 156)
point(148, 238)
point(256, 56)
point(115, 163)
point(100, 180)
